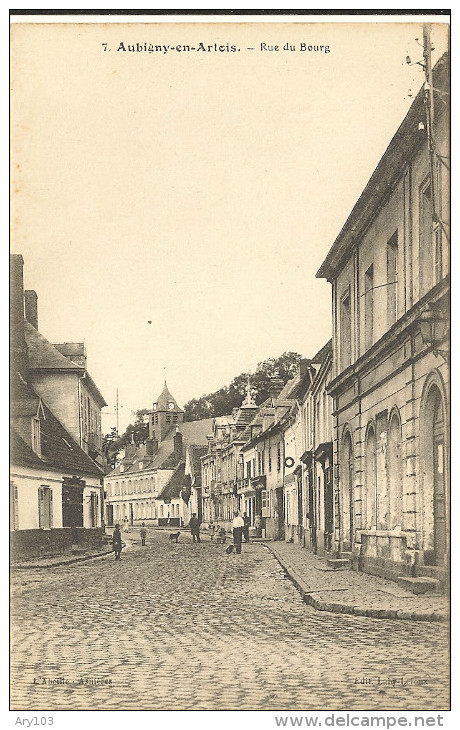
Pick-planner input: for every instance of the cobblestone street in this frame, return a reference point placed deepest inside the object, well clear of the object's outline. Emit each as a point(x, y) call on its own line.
point(187, 627)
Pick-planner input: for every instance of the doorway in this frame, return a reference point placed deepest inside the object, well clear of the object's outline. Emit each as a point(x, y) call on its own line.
point(280, 511)
point(439, 483)
point(434, 460)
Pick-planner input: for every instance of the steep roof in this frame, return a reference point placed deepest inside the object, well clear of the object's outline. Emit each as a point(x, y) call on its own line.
point(27, 406)
point(193, 432)
point(43, 355)
point(271, 429)
point(176, 484)
point(196, 452)
point(196, 432)
point(246, 415)
point(59, 451)
point(323, 352)
point(21, 454)
point(164, 398)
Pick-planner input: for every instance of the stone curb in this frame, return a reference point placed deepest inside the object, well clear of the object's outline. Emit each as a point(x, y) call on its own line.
point(345, 608)
point(78, 559)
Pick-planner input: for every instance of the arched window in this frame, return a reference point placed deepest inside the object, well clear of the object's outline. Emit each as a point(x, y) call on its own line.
point(395, 481)
point(371, 480)
point(346, 486)
point(434, 462)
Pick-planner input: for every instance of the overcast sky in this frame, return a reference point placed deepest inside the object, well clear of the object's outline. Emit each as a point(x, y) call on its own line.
point(173, 208)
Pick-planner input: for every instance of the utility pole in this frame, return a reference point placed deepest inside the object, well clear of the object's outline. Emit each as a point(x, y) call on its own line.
point(116, 411)
point(429, 108)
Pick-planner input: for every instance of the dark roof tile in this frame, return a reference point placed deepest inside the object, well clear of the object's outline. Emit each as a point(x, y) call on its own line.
point(59, 451)
point(176, 485)
point(43, 355)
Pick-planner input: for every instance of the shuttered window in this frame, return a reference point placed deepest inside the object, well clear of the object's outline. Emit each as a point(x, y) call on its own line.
point(45, 507)
point(14, 514)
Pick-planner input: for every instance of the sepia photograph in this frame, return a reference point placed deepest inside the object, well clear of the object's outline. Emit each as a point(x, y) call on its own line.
point(230, 367)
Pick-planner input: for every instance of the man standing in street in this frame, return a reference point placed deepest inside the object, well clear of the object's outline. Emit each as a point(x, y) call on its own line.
point(143, 533)
point(117, 542)
point(247, 522)
point(237, 526)
point(195, 527)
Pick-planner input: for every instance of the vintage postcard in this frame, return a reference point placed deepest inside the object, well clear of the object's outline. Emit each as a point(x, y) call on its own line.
point(230, 367)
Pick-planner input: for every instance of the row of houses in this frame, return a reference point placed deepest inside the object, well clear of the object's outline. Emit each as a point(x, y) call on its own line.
point(56, 455)
point(274, 461)
point(350, 458)
point(158, 481)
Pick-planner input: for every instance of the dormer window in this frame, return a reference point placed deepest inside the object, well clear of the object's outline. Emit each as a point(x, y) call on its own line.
point(36, 446)
point(122, 468)
point(141, 465)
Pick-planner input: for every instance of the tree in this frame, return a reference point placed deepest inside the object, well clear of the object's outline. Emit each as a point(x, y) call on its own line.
point(219, 403)
point(224, 400)
point(136, 433)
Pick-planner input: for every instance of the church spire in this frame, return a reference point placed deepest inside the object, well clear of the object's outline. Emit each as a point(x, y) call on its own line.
point(165, 415)
point(249, 401)
point(166, 401)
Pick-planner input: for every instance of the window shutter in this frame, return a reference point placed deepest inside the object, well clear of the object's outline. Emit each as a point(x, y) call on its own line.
point(41, 496)
point(51, 508)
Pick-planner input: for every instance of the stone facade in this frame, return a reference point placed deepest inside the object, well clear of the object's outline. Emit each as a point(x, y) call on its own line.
point(389, 270)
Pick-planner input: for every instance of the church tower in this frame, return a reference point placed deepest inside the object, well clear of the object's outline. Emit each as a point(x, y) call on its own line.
point(165, 415)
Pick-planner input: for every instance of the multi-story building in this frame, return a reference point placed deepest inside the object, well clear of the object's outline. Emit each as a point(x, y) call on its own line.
point(271, 458)
point(149, 484)
point(318, 498)
point(56, 493)
point(389, 270)
point(59, 374)
point(193, 475)
point(221, 465)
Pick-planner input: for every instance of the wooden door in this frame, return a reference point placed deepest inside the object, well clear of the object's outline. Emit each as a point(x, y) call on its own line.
point(439, 483)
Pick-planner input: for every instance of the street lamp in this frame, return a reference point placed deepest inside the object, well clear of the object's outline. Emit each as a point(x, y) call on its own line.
point(433, 330)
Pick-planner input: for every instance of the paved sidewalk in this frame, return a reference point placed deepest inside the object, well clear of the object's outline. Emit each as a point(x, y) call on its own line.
point(53, 562)
point(347, 591)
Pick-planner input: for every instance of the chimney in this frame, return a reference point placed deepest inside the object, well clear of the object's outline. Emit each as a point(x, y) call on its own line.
point(178, 447)
point(130, 451)
point(151, 445)
point(304, 364)
point(276, 386)
point(30, 299)
point(18, 349)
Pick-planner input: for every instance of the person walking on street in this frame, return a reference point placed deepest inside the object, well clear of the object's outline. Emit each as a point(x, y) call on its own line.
point(237, 526)
point(247, 522)
point(117, 542)
point(143, 534)
point(195, 527)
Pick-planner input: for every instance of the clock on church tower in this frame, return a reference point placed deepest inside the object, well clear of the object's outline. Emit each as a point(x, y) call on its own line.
point(165, 415)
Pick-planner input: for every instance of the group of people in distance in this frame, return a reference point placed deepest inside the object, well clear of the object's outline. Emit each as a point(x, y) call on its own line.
point(240, 529)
